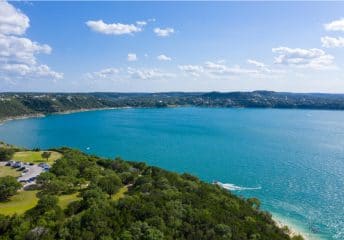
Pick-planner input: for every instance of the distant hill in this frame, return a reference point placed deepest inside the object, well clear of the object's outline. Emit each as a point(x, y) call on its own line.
point(27, 104)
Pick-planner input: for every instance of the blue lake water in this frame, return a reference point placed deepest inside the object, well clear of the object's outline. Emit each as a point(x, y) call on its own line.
point(294, 159)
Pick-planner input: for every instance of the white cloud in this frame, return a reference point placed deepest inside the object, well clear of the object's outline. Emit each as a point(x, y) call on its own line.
point(148, 74)
point(332, 42)
point(221, 69)
point(163, 57)
point(163, 32)
point(194, 70)
point(141, 23)
point(337, 25)
point(23, 70)
point(17, 53)
point(132, 57)
point(114, 28)
point(256, 63)
point(306, 58)
point(215, 68)
point(12, 21)
point(19, 49)
point(259, 65)
point(113, 73)
point(218, 70)
point(104, 73)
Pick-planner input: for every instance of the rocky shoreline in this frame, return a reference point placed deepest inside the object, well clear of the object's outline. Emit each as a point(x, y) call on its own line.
point(25, 116)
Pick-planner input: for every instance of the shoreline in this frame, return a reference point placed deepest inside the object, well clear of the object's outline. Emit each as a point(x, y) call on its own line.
point(25, 116)
point(41, 115)
point(293, 229)
point(87, 110)
point(292, 232)
point(286, 226)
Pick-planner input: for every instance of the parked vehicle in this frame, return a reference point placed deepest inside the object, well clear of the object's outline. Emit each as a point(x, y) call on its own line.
point(17, 165)
point(45, 166)
point(21, 168)
point(32, 179)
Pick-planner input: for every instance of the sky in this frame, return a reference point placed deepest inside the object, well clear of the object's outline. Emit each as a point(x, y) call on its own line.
point(171, 46)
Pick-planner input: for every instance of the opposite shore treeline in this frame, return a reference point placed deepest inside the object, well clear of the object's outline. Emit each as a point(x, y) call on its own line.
point(21, 105)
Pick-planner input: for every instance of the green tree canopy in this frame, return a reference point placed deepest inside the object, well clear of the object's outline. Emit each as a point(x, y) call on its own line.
point(110, 183)
point(6, 153)
point(8, 187)
point(46, 155)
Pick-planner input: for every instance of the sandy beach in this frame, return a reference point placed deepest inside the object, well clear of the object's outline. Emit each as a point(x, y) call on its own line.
point(293, 230)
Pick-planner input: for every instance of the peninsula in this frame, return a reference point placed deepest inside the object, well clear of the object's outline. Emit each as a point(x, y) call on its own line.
point(88, 197)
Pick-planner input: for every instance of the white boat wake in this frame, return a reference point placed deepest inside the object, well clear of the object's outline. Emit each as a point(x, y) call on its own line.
point(233, 187)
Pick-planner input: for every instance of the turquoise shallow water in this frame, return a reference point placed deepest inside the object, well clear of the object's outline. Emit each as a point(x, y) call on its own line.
point(293, 159)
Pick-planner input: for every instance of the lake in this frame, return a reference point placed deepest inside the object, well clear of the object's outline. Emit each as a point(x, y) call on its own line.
point(292, 160)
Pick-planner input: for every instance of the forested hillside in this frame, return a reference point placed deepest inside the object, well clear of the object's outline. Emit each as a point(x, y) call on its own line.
point(116, 199)
point(19, 105)
point(23, 104)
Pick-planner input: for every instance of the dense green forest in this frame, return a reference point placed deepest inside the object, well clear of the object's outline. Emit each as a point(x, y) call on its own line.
point(24, 104)
point(117, 199)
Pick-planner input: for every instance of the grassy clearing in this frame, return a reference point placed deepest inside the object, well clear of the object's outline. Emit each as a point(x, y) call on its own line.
point(120, 193)
point(35, 157)
point(19, 203)
point(26, 200)
point(8, 171)
point(65, 200)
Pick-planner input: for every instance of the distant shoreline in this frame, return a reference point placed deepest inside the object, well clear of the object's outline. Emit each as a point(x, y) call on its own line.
point(86, 110)
point(26, 105)
point(41, 115)
point(25, 116)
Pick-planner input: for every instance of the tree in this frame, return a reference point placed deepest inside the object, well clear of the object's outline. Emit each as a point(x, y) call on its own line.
point(57, 186)
point(6, 154)
point(156, 205)
point(45, 178)
point(8, 187)
point(45, 204)
point(92, 197)
point(141, 230)
point(110, 183)
point(298, 237)
point(254, 202)
point(224, 231)
point(46, 155)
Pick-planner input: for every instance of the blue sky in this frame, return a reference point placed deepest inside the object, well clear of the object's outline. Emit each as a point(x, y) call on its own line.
point(172, 46)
